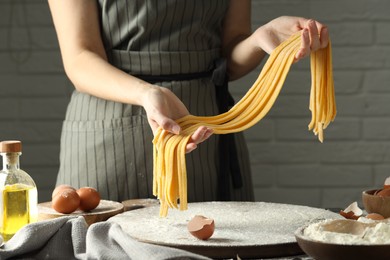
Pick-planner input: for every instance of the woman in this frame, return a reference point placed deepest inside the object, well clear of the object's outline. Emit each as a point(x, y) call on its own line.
point(139, 65)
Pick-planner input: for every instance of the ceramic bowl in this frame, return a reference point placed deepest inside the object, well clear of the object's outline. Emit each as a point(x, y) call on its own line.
point(329, 251)
point(376, 204)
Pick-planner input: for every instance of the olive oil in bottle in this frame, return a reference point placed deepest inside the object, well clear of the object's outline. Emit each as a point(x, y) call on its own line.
point(18, 192)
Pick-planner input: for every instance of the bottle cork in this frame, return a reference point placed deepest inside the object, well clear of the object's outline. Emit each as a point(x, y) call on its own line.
point(12, 146)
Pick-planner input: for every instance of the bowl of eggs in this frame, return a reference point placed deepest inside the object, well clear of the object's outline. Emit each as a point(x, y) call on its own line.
point(378, 200)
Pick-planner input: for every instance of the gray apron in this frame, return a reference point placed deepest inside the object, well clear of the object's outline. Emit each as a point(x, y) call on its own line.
point(108, 145)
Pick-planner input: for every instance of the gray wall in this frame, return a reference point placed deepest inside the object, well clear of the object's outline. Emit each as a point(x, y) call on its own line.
point(289, 164)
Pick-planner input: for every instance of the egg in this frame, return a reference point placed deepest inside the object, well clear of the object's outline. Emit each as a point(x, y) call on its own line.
point(89, 198)
point(201, 227)
point(375, 216)
point(66, 201)
point(383, 193)
point(60, 188)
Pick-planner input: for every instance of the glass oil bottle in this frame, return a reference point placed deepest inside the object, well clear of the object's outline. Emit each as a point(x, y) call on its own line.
point(18, 192)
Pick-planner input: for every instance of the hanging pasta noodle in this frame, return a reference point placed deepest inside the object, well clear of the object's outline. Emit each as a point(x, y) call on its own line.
point(170, 173)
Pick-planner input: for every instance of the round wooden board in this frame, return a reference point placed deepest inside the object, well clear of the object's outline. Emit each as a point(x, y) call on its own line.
point(244, 229)
point(139, 203)
point(102, 212)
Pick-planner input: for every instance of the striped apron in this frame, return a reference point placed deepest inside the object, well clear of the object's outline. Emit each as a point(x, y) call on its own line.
point(108, 145)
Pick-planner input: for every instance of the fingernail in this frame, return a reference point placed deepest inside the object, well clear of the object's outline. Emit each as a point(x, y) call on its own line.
point(176, 129)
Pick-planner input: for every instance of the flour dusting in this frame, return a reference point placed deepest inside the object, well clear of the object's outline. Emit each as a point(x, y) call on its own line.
point(236, 223)
point(377, 234)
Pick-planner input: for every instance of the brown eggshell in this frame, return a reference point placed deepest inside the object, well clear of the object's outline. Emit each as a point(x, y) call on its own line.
point(60, 188)
point(66, 201)
point(89, 198)
point(348, 215)
point(386, 185)
point(375, 216)
point(352, 211)
point(201, 227)
point(383, 193)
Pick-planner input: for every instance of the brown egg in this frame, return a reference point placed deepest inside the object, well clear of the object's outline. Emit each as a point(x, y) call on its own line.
point(375, 216)
point(89, 198)
point(201, 227)
point(60, 188)
point(384, 193)
point(66, 201)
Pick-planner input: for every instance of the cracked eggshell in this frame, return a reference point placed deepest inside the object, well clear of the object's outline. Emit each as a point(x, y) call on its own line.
point(352, 211)
point(201, 227)
point(386, 185)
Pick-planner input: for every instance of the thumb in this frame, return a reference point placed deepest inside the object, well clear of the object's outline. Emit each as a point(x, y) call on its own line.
point(168, 124)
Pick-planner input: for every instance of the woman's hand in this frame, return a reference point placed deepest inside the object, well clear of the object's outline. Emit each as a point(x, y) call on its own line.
point(244, 50)
point(314, 34)
point(163, 107)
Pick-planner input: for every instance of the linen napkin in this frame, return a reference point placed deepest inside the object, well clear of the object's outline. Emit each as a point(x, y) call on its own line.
point(71, 238)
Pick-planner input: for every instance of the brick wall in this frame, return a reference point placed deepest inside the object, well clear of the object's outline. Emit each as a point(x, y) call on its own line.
point(33, 88)
point(289, 164)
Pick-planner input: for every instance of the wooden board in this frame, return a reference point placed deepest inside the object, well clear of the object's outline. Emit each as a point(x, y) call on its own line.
point(139, 203)
point(105, 210)
point(243, 229)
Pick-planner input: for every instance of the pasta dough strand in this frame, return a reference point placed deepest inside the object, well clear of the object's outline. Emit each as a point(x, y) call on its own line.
point(170, 173)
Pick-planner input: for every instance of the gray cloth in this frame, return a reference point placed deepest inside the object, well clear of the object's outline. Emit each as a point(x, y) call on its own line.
point(70, 238)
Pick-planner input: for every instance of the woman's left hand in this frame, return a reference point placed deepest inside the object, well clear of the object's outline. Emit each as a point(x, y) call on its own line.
point(314, 34)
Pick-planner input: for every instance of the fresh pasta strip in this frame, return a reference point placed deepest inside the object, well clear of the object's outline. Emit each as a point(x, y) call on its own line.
point(170, 173)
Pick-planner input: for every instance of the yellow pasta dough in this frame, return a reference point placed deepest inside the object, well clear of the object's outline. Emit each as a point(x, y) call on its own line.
point(170, 174)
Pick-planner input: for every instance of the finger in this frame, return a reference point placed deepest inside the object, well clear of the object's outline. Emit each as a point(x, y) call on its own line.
point(198, 135)
point(314, 35)
point(323, 34)
point(205, 136)
point(305, 45)
point(169, 125)
point(208, 133)
point(324, 37)
point(190, 147)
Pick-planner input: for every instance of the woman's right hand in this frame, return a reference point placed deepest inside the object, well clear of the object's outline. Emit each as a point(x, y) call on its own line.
point(86, 65)
point(162, 109)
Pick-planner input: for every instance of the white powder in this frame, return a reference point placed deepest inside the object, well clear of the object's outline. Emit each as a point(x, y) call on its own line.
point(377, 233)
point(236, 223)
